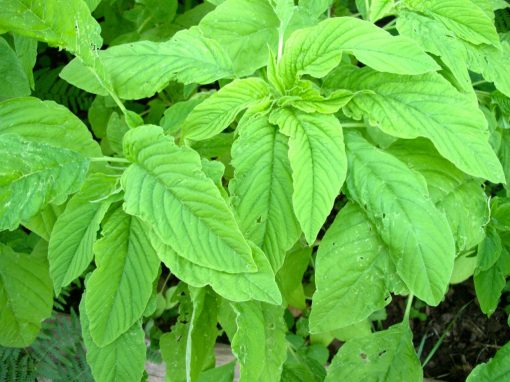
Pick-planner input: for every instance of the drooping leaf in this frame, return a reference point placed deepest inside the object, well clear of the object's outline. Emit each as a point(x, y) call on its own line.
point(166, 188)
point(318, 162)
point(489, 285)
point(218, 111)
point(489, 250)
point(350, 272)
point(384, 356)
point(464, 18)
point(397, 201)
point(290, 276)
point(120, 287)
point(122, 360)
point(261, 190)
point(246, 42)
point(74, 233)
point(259, 343)
point(423, 106)
point(26, 296)
point(318, 50)
point(34, 175)
point(260, 285)
point(140, 69)
point(496, 370)
point(46, 122)
point(15, 83)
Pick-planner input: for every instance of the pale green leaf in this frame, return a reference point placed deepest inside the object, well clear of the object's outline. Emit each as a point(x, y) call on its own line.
point(217, 112)
point(42, 223)
point(223, 373)
point(65, 24)
point(47, 122)
point(464, 18)
point(122, 360)
point(260, 285)
point(350, 272)
point(259, 343)
point(176, 114)
point(166, 187)
point(489, 250)
point(318, 50)
point(385, 356)
point(34, 175)
point(423, 106)
point(315, 7)
point(120, 287)
point(496, 370)
point(140, 69)
point(461, 197)
point(115, 130)
point(26, 296)
point(26, 50)
point(261, 190)
point(318, 162)
point(245, 29)
point(15, 81)
point(397, 201)
point(75, 230)
point(290, 276)
point(380, 9)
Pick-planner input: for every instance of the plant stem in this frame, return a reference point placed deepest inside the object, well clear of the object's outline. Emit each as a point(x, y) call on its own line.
point(110, 159)
point(481, 82)
point(408, 307)
point(353, 124)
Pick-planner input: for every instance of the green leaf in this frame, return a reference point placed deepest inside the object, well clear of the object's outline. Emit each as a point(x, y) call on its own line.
point(120, 287)
point(42, 223)
point(261, 190)
point(140, 69)
point(463, 18)
point(318, 162)
point(176, 114)
point(122, 360)
point(350, 272)
point(461, 197)
point(290, 276)
point(315, 7)
point(239, 287)
point(436, 39)
point(26, 50)
point(318, 50)
point(496, 370)
point(202, 332)
point(223, 373)
point(397, 201)
point(15, 83)
point(423, 106)
point(166, 188)
point(384, 356)
point(259, 343)
point(47, 122)
point(244, 28)
point(489, 285)
point(65, 24)
point(489, 250)
point(75, 230)
point(34, 175)
point(217, 112)
point(26, 296)
point(500, 213)
point(115, 131)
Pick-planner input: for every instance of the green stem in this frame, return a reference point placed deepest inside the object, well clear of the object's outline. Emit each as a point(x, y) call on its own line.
point(408, 307)
point(109, 159)
point(390, 25)
point(481, 82)
point(353, 124)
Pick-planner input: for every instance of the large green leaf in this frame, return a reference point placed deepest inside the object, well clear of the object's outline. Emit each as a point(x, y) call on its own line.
point(464, 18)
point(423, 106)
point(397, 201)
point(218, 111)
point(138, 70)
point(318, 162)
point(245, 29)
point(461, 197)
point(65, 24)
point(34, 175)
point(385, 356)
point(318, 50)
point(25, 296)
point(120, 287)
point(260, 285)
point(47, 122)
point(75, 230)
point(350, 272)
point(261, 190)
point(259, 343)
point(496, 370)
point(15, 83)
point(122, 360)
point(165, 187)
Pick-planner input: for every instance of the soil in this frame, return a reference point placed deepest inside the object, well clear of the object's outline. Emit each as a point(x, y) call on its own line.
point(471, 337)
